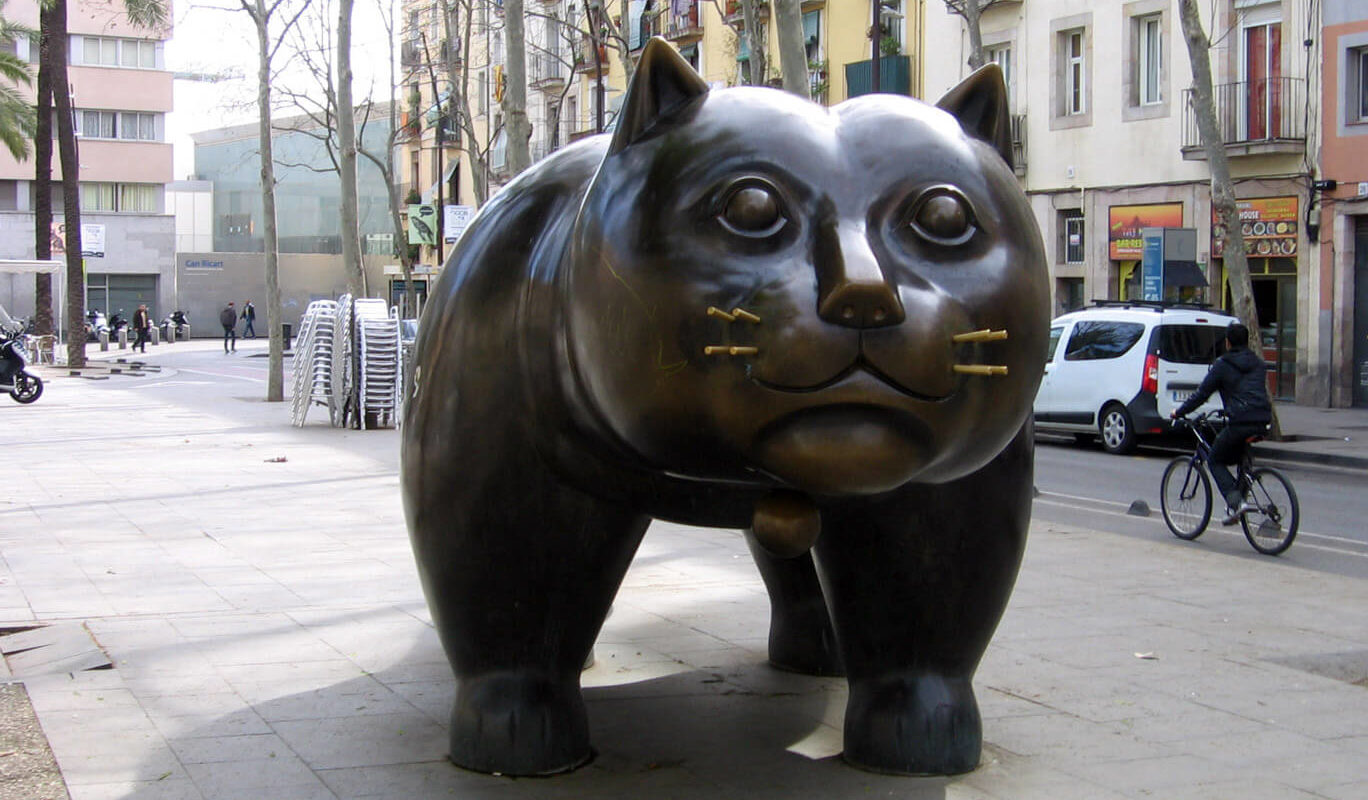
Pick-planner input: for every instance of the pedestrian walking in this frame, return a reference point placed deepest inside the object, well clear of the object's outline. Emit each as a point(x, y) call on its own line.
point(228, 318)
point(142, 326)
point(249, 318)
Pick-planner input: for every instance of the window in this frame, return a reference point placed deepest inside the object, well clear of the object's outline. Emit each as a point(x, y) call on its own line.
point(812, 35)
point(571, 117)
point(126, 197)
point(891, 19)
point(108, 52)
point(131, 125)
point(1056, 332)
point(1075, 102)
point(1151, 59)
point(1093, 340)
point(1071, 87)
point(1356, 103)
point(1071, 224)
point(1190, 344)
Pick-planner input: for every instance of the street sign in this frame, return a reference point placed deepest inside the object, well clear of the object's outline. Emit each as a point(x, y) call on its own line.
point(1152, 265)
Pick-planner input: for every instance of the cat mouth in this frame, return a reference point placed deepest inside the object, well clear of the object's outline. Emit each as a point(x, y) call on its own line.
point(857, 368)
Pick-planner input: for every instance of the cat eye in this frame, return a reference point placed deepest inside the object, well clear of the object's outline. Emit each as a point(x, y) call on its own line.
point(752, 209)
point(942, 215)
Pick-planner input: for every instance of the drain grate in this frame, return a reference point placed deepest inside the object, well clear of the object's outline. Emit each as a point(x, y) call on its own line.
point(51, 650)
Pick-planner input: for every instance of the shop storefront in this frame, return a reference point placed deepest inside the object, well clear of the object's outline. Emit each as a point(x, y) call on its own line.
point(1125, 249)
point(1270, 229)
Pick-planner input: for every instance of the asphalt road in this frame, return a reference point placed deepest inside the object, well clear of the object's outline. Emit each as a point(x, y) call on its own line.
point(1082, 485)
point(1077, 484)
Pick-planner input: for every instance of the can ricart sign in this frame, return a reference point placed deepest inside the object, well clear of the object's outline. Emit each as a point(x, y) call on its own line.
point(1268, 224)
point(1125, 240)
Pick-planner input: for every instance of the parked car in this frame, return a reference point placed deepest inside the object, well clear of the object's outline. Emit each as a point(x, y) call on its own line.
point(1117, 370)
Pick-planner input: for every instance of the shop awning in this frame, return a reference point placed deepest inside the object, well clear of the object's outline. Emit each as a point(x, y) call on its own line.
point(1183, 273)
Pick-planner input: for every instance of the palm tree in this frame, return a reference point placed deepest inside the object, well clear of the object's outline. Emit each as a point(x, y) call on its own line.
point(53, 65)
point(17, 120)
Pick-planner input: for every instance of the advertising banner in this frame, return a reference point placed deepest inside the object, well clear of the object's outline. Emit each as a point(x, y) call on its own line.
point(1152, 265)
point(1125, 223)
point(1268, 224)
point(422, 224)
point(455, 222)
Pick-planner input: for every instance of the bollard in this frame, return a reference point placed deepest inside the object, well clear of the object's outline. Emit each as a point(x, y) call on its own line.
point(171, 334)
point(123, 338)
point(104, 341)
point(154, 333)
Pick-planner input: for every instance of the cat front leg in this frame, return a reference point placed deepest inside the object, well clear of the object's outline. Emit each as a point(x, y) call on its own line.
point(801, 638)
point(519, 577)
point(917, 583)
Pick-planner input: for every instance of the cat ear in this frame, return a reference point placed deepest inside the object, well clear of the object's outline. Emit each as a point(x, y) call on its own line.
point(979, 102)
point(664, 83)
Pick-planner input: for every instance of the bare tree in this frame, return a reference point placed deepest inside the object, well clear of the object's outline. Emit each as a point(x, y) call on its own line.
point(518, 128)
point(262, 14)
point(1222, 187)
point(753, 13)
point(346, 140)
point(972, 11)
point(788, 16)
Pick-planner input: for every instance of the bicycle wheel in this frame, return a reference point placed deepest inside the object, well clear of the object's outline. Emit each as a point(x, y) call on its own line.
point(1271, 528)
point(1185, 497)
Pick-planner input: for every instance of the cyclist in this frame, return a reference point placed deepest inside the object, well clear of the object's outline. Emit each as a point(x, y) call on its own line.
point(1239, 376)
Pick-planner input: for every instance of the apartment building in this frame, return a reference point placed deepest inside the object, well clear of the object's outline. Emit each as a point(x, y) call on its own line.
point(1100, 96)
point(1341, 296)
point(121, 93)
point(578, 58)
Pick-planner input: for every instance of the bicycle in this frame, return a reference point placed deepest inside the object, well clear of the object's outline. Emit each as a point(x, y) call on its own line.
point(1185, 492)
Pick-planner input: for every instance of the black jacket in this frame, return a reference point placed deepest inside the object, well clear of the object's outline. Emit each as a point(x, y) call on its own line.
point(1239, 376)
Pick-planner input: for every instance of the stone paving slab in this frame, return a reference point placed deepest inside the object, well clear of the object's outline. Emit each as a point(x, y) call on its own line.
point(270, 640)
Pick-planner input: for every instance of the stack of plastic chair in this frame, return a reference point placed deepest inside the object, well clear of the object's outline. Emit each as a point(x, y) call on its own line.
point(343, 374)
point(380, 369)
point(313, 362)
point(365, 312)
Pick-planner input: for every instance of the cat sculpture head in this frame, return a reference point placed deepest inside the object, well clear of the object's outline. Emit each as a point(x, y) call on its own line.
point(834, 301)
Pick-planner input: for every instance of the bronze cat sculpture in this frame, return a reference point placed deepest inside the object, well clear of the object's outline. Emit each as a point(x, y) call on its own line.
point(741, 309)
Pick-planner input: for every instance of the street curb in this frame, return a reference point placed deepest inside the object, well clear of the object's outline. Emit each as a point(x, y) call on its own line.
point(1298, 456)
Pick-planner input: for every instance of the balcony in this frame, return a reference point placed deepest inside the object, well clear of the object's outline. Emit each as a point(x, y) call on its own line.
point(584, 59)
point(684, 28)
point(410, 54)
point(733, 15)
point(546, 72)
point(895, 76)
point(1254, 118)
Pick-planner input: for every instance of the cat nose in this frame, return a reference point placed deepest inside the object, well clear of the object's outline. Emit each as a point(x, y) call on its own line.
point(854, 291)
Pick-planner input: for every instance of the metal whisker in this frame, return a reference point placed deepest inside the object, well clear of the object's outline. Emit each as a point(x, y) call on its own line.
point(736, 313)
point(993, 370)
point(984, 335)
point(726, 350)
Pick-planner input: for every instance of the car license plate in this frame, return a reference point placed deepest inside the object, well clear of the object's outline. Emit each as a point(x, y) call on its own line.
point(1180, 396)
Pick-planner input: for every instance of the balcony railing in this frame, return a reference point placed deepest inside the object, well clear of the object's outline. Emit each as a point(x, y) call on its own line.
point(683, 26)
point(895, 76)
point(584, 58)
point(1253, 118)
point(547, 73)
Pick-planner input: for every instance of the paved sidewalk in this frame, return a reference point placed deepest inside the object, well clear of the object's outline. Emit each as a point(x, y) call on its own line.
point(270, 641)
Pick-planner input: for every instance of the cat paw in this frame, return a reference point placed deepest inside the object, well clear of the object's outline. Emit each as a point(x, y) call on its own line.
point(913, 725)
point(513, 724)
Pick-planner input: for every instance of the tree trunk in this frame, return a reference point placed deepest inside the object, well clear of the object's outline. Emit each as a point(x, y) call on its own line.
point(346, 142)
point(42, 182)
point(973, 21)
point(275, 380)
point(515, 93)
point(1222, 188)
point(71, 186)
point(756, 68)
point(788, 16)
point(474, 149)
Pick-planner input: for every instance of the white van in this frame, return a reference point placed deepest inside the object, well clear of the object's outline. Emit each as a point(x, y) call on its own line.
point(1118, 369)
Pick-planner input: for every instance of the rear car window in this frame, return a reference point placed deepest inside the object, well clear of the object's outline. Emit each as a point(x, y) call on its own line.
point(1190, 344)
point(1055, 332)
point(1092, 340)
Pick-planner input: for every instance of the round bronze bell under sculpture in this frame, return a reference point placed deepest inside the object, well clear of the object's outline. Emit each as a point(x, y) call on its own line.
point(825, 326)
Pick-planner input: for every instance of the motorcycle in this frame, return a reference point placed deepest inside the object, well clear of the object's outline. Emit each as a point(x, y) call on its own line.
point(15, 378)
point(116, 324)
point(180, 320)
point(95, 323)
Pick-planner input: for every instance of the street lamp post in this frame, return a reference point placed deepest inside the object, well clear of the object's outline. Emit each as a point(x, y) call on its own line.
point(875, 37)
point(441, 126)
